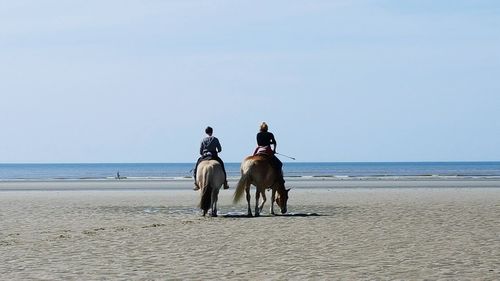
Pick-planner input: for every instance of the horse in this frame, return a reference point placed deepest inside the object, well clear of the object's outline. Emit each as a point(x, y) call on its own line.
point(210, 178)
point(257, 170)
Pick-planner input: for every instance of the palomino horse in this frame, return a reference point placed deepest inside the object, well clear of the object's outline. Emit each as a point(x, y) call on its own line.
point(210, 178)
point(256, 170)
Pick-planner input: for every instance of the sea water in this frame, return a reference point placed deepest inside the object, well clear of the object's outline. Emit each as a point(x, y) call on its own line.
point(159, 171)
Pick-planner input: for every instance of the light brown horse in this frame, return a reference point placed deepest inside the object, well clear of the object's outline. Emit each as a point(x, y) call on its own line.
point(210, 178)
point(257, 170)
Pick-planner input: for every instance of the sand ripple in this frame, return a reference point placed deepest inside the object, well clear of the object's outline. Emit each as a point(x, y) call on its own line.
point(382, 234)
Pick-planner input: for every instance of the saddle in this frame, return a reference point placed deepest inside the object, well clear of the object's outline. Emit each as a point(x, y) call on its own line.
point(265, 151)
point(206, 157)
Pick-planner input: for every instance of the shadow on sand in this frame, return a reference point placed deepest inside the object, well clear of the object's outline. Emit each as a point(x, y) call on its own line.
point(244, 215)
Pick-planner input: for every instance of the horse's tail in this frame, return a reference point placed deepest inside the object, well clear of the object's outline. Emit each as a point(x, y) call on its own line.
point(242, 184)
point(206, 198)
point(206, 187)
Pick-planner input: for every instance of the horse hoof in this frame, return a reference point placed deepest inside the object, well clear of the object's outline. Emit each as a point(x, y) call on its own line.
point(213, 215)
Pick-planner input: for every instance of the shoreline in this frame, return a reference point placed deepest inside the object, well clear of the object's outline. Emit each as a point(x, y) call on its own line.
point(296, 183)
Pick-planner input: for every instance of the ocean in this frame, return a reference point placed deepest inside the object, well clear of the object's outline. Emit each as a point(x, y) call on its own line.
point(159, 171)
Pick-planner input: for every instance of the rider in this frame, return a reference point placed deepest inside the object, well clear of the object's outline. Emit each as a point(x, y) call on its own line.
point(209, 149)
point(264, 141)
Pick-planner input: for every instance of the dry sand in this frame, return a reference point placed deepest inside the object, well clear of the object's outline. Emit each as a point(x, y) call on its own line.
point(143, 232)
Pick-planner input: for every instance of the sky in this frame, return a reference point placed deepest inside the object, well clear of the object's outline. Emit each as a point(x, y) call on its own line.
point(337, 81)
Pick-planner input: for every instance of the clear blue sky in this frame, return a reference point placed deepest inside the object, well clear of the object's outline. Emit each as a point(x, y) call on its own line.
point(138, 81)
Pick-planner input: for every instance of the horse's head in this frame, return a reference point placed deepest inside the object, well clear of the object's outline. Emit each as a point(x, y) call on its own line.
point(282, 199)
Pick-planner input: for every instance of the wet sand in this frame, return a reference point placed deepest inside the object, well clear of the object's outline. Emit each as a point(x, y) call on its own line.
point(382, 230)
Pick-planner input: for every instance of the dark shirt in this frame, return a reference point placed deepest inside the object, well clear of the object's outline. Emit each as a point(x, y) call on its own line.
point(210, 144)
point(265, 139)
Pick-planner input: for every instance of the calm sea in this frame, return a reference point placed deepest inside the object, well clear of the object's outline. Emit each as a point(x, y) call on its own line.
point(103, 171)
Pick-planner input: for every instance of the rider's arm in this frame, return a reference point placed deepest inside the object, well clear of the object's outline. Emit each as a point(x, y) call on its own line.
point(274, 143)
point(218, 146)
point(201, 148)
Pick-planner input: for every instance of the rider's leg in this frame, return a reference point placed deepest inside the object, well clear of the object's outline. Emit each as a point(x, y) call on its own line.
point(224, 170)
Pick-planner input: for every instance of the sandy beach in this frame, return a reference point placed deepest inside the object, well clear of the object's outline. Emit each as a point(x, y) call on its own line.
point(152, 230)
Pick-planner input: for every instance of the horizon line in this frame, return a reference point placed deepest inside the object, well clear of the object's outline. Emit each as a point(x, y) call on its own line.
point(425, 161)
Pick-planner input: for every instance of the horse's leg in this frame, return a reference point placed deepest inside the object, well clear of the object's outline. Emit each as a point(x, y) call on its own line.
point(203, 190)
point(273, 197)
point(214, 202)
point(264, 199)
point(257, 197)
point(247, 191)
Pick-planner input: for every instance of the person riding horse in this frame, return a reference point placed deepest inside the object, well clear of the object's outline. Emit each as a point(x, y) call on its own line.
point(209, 150)
point(264, 141)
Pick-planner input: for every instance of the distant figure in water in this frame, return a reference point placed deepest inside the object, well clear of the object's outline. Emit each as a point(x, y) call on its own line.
point(118, 175)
